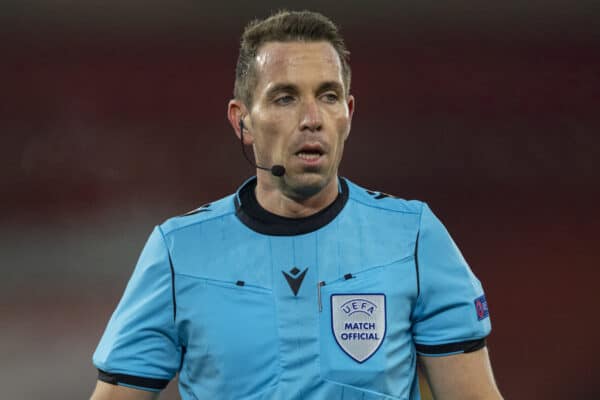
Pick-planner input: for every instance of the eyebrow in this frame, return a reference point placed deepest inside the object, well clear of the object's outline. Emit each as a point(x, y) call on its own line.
point(330, 85)
point(281, 88)
point(293, 89)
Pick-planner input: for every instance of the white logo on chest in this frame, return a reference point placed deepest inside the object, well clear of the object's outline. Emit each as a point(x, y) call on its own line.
point(358, 323)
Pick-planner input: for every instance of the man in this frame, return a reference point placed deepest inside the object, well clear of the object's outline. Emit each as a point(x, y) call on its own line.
point(301, 285)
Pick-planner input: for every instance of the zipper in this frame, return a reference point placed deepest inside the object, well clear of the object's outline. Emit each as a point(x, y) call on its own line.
point(319, 299)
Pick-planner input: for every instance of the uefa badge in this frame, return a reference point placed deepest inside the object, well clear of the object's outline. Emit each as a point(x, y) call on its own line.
point(358, 323)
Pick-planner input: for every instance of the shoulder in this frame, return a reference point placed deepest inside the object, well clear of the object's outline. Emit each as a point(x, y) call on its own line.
point(383, 201)
point(204, 214)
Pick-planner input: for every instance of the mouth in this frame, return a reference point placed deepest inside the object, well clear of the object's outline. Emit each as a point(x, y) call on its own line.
point(308, 156)
point(310, 153)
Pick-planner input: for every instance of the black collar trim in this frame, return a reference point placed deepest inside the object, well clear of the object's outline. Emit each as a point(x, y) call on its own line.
point(262, 221)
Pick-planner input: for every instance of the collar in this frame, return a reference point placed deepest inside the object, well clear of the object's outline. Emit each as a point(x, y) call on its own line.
point(255, 217)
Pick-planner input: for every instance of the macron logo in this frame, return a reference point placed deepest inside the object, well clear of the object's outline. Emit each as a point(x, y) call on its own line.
point(294, 278)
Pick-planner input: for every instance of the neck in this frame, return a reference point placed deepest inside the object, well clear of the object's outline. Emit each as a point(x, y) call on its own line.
point(287, 202)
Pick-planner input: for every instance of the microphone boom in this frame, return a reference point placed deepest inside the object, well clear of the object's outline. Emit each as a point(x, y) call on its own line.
point(276, 170)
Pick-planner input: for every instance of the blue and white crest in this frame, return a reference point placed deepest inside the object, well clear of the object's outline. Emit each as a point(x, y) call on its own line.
point(358, 323)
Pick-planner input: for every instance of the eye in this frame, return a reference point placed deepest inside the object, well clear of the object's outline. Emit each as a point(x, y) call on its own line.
point(330, 98)
point(284, 100)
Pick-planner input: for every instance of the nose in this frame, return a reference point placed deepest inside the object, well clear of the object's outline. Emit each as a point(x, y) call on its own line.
point(311, 116)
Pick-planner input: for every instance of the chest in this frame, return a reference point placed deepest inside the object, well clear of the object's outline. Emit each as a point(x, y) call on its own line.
point(330, 306)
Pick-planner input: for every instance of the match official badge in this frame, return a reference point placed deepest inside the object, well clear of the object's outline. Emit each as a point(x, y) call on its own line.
point(358, 323)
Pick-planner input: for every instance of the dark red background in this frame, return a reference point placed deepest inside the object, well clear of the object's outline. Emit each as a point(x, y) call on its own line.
point(113, 118)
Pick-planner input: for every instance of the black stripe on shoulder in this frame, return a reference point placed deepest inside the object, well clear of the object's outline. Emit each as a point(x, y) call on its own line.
point(173, 297)
point(115, 379)
point(457, 347)
point(201, 209)
point(380, 195)
point(417, 264)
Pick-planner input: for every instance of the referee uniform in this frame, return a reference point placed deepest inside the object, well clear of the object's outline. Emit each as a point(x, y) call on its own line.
point(248, 305)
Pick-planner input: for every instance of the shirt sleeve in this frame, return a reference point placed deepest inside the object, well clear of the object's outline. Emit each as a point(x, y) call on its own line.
point(139, 347)
point(450, 315)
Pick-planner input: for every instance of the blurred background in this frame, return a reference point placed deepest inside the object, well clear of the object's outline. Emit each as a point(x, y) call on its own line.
point(112, 118)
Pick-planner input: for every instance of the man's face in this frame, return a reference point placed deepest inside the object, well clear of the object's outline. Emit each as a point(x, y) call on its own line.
point(300, 116)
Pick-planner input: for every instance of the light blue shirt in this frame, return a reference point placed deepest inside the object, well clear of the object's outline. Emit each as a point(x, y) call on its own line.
point(246, 305)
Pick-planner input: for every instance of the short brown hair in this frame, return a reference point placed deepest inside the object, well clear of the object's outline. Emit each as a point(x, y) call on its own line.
point(284, 26)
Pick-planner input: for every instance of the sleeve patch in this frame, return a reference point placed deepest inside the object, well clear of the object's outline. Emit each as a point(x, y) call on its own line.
point(481, 307)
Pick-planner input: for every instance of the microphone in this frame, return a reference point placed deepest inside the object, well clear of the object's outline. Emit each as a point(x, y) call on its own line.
point(276, 170)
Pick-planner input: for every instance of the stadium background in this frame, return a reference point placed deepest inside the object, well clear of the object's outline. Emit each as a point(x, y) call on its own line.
point(112, 116)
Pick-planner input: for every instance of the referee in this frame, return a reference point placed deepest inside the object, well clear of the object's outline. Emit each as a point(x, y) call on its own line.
point(301, 284)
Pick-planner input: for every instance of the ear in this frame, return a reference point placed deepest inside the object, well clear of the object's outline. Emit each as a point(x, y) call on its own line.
point(237, 111)
point(351, 102)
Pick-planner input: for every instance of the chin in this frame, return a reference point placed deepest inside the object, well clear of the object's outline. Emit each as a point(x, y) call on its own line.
point(308, 184)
